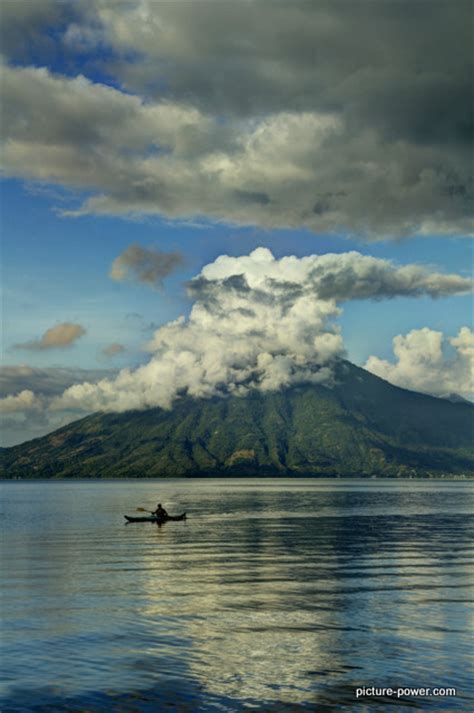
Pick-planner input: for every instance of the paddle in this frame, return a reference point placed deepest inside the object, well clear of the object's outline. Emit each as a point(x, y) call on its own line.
point(143, 510)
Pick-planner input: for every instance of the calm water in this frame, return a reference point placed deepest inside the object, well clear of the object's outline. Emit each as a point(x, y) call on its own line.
point(273, 596)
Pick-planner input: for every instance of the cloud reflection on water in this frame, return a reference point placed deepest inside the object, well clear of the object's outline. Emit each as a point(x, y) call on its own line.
point(281, 597)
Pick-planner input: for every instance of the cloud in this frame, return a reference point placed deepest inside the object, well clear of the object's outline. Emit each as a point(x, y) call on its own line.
point(113, 350)
point(24, 24)
point(257, 323)
point(144, 265)
point(340, 277)
point(21, 414)
point(25, 393)
point(47, 382)
point(422, 364)
point(59, 337)
point(331, 116)
point(23, 401)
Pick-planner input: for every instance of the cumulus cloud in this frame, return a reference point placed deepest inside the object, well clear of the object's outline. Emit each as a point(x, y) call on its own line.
point(58, 337)
point(340, 277)
point(20, 415)
point(23, 401)
point(333, 116)
point(423, 365)
point(113, 349)
point(145, 265)
point(25, 393)
point(256, 323)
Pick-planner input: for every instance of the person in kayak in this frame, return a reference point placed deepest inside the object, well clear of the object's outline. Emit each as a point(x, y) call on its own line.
point(160, 512)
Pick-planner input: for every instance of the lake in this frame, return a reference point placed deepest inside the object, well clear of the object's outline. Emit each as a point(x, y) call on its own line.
point(274, 595)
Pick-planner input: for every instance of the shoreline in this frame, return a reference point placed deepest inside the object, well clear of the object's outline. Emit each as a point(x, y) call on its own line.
point(276, 478)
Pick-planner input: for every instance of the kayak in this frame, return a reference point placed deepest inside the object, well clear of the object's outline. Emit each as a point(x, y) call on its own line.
point(151, 518)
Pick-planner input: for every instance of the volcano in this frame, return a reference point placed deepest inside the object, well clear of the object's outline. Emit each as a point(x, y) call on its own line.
point(361, 426)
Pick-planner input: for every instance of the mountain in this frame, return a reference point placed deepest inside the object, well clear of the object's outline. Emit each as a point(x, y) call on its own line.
point(362, 426)
point(456, 399)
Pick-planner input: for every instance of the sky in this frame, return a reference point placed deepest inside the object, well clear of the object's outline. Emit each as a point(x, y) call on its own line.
point(208, 198)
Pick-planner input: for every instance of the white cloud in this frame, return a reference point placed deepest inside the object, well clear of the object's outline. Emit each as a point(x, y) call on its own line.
point(422, 364)
point(25, 393)
point(23, 401)
point(256, 323)
point(344, 276)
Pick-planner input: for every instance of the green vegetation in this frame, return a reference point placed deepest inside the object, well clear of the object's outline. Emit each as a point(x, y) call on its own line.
point(362, 426)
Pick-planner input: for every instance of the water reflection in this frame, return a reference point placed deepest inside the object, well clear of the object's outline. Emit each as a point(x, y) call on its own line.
point(277, 596)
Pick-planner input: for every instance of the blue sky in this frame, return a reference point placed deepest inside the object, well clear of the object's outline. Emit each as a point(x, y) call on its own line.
point(55, 269)
point(142, 125)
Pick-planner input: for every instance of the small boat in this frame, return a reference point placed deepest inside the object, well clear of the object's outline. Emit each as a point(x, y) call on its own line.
point(152, 518)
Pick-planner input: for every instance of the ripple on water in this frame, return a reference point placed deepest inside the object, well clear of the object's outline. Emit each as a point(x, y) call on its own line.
point(277, 596)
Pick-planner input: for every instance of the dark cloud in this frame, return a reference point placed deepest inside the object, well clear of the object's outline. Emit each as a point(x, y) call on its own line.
point(249, 197)
point(145, 265)
point(337, 116)
point(400, 67)
point(24, 27)
point(353, 276)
